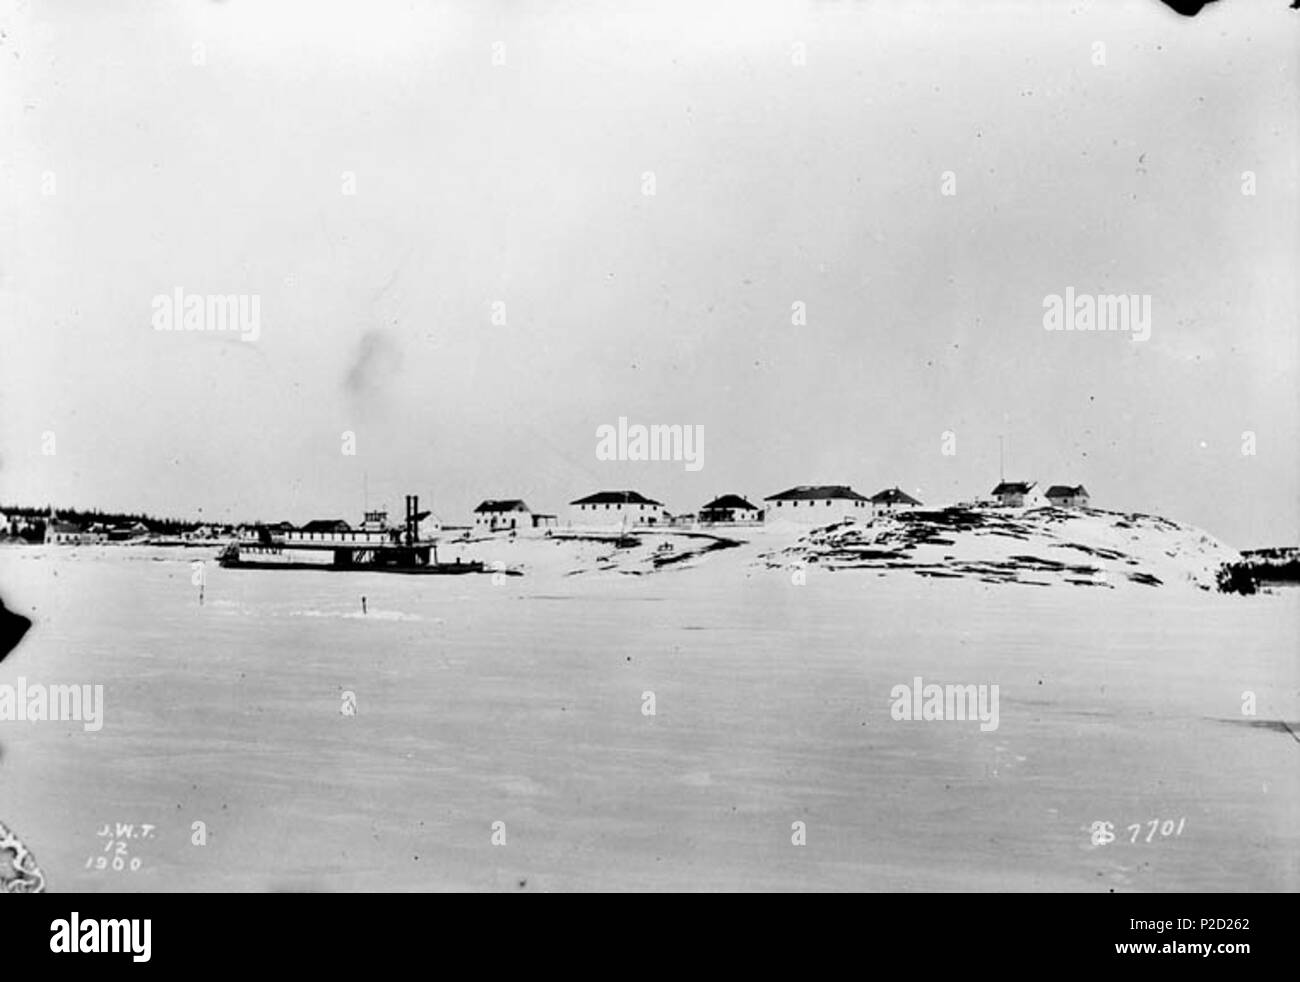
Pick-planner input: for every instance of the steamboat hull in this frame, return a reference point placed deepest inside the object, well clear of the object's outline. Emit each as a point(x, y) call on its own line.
point(409, 560)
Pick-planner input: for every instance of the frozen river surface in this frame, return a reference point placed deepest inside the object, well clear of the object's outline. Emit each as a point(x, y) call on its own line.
point(525, 703)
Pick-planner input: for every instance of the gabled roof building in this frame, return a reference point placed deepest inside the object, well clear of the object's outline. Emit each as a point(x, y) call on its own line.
point(1064, 496)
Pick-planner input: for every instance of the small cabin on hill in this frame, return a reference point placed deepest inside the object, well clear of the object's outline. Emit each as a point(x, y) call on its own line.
point(1018, 494)
point(892, 499)
point(822, 504)
point(1064, 496)
point(617, 509)
point(729, 509)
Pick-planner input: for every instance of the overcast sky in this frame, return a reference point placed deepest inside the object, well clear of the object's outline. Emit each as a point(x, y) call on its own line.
point(522, 183)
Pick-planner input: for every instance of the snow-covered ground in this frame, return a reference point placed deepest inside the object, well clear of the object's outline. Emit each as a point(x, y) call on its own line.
point(520, 700)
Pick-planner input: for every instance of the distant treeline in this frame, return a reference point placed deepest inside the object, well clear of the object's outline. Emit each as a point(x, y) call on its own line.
point(37, 517)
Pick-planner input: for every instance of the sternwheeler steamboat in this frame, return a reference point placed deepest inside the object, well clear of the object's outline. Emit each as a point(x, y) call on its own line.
point(375, 546)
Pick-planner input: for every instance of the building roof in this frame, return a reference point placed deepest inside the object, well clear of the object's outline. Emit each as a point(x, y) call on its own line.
point(806, 492)
point(505, 504)
point(728, 501)
point(58, 526)
point(616, 498)
point(893, 496)
point(1014, 487)
point(1065, 491)
point(327, 525)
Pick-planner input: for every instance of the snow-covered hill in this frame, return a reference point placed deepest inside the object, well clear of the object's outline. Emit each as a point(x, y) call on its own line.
point(1040, 546)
